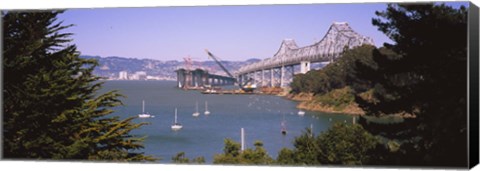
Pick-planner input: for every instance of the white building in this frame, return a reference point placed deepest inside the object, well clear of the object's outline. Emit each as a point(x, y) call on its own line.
point(139, 75)
point(123, 75)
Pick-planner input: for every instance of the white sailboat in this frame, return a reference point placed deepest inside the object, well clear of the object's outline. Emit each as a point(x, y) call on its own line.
point(301, 112)
point(176, 126)
point(196, 113)
point(206, 108)
point(143, 114)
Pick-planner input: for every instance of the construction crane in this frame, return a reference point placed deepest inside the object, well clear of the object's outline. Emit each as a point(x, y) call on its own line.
point(246, 87)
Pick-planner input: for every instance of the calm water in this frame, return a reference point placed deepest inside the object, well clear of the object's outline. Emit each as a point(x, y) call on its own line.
point(259, 115)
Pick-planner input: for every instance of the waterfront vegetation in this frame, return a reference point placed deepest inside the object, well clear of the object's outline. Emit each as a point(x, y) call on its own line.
point(422, 74)
point(232, 154)
point(52, 109)
point(332, 87)
point(340, 100)
point(341, 144)
point(181, 158)
point(344, 144)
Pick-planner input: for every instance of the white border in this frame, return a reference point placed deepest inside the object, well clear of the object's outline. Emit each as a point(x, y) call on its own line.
point(82, 166)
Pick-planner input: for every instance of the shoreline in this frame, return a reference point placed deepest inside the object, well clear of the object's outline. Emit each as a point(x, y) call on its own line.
point(306, 102)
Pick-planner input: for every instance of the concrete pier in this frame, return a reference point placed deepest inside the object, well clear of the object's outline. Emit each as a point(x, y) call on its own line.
point(199, 78)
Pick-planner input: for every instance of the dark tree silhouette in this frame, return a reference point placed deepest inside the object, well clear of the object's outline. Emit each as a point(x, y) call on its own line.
point(51, 106)
point(423, 73)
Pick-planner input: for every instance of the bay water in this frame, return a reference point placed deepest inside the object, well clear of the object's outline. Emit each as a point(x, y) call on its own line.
point(259, 115)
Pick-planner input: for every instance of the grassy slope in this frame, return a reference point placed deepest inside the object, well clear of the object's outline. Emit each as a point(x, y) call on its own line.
point(335, 101)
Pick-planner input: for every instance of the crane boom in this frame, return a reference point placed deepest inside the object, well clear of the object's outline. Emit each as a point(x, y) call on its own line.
point(219, 63)
point(243, 87)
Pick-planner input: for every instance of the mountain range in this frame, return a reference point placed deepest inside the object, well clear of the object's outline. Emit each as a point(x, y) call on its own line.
point(110, 67)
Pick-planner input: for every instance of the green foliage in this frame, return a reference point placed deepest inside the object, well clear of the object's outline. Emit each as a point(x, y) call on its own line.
point(423, 73)
point(306, 149)
point(199, 160)
point(256, 156)
point(51, 106)
point(341, 144)
point(338, 98)
point(231, 151)
point(346, 144)
point(335, 75)
point(233, 155)
point(286, 157)
point(181, 158)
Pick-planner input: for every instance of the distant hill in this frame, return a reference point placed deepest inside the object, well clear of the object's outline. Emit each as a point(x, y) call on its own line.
point(111, 66)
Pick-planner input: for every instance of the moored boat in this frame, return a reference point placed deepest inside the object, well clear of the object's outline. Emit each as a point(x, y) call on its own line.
point(196, 113)
point(206, 108)
point(176, 126)
point(143, 114)
point(301, 112)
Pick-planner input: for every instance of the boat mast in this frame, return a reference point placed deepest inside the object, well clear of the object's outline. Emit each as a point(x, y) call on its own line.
point(175, 115)
point(206, 106)
point(284, 129)
point(143, 106)
point(242, 132)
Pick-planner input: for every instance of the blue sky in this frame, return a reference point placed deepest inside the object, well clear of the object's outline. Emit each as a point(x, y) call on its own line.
point(230, 32)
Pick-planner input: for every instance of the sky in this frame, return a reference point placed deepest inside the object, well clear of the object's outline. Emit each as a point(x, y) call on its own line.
point(230, 32)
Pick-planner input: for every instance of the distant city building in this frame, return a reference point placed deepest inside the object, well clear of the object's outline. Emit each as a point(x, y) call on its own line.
point(149, 77)
point(139, 75)
point(123, 75)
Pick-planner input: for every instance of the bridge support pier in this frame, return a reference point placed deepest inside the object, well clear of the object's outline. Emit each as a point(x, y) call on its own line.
point(180, 80)
point(304, 66)
point(290, 72)
point(263, 78)
point(272, 79)
point(278, 77)
point(240, 79)
point(282, 76)
point(257, 77)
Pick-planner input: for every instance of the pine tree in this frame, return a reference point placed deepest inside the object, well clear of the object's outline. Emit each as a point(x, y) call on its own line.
point(341, 144)
point(51, 106)
point(423, 73)
point(233, 155)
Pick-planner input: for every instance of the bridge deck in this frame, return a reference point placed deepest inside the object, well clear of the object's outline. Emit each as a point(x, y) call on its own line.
point(338, 37)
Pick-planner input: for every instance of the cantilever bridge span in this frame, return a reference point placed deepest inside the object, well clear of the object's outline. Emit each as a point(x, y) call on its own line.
point(199, 78)
point(279, 69)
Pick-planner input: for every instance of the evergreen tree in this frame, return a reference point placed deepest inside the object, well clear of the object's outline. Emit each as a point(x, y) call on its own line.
point(341, 144)
point(51, 106)
point(306, 150)
point(233, 155)
point(347, 145)
point(181, 158)
point(257, 156)
point(285, 157)
point(423, 73)
point(231, 151)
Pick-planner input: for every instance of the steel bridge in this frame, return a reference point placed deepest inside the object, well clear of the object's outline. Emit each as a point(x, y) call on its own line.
point(278, 70)
point(199, 78)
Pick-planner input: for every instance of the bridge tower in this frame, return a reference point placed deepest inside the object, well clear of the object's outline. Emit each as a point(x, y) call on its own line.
point(304, 66)
point(339, 37)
